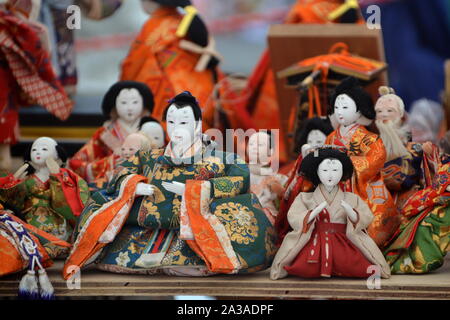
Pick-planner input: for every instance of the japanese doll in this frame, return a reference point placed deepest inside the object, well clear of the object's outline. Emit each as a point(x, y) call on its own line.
point(402, 169)
point(312, 135)
point(125, 103)
point(26, 74)
point(267, 184)
point(423, 238)
point(153, 130)
point(328, 236)
point(183, 210)
point(352, 110)
point(45, 195)
point(132, 144)
point(173, 52)
point(23, 247)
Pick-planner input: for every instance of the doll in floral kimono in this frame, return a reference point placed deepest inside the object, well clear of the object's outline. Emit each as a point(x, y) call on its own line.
point(125, 103)
point(183, 210)
point(312, 135)
point(423, 238)
point(172, 53)
point(47, 196)
point(352, 109)
point(265, 183)
point(328, 236)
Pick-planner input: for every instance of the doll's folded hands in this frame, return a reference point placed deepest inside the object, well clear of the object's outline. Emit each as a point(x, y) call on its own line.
point(317, 210)
point(175, 187)
point(349, 210)
point(52, 165)
point(144, 189)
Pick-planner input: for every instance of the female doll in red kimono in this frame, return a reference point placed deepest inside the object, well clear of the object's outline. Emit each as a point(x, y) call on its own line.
point(125, 103)
point(312, 135)
point(328, 236)
point(352, 109)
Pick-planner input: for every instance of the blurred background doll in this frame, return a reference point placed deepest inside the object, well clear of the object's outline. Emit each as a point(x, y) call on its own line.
point(264, 182)
point(44, 194)
point(312, 135)
point(26, 74)
point(125, 103)
point(328, 236)
point(153, 130)
point(402, 170)
point(173, 53)
point(352, 109)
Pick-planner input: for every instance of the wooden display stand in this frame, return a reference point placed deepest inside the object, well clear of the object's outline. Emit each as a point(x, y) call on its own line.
point(289, 44)
point(95, 283)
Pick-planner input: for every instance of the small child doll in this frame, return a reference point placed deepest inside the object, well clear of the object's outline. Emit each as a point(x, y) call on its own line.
point(328, 236)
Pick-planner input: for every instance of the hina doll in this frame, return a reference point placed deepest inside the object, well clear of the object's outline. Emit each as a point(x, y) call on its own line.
point(172, 53)
point(264, 182)
point(312, 135)
point(132, 144)
point(22, 247)
point(153, 130)
point(423, 238)
point(352, 110)
point(402, 169)
point(26, 74)
point(328, 236)
point(183, 210)
point(45, 195)
point(125, 103)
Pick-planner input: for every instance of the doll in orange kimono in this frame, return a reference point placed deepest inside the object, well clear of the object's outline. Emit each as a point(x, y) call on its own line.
point(328, 236)
point(125, 103)
point(352, 109)
point(167, 55)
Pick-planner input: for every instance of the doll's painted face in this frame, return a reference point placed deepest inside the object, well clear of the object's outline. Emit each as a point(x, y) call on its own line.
point(129, 105)
point(131, 145)
point(181, 126)
point(387, 109)
point(155, 132)
point(330, 172)
point(345, 110)
point(149, 6)
point(42, 149)
point(316, 138)
point(259, 148)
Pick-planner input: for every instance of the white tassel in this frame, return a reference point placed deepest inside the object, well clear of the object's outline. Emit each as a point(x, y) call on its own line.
point(28, 287)
point(46, 286)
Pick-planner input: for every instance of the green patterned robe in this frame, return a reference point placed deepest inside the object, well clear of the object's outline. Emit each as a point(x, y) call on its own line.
point(157, 216)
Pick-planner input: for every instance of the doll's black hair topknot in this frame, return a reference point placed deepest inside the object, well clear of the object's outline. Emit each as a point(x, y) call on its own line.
point(311, 163)
point(109, 100)
point(351, 87)
point(185, 99)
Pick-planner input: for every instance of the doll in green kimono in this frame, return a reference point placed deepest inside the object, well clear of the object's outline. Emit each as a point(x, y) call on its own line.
point(184, 210)
point(44, 194)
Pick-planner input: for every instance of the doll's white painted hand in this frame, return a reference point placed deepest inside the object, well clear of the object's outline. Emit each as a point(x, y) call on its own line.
point(317, 210)
point(144, 189)
point(21, 173)
point(349, 210)
point(448, 188)
point(52, 165)
point(175, 187)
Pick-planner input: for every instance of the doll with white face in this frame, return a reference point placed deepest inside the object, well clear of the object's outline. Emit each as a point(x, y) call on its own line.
point(264, 182)
point(125, 103)
point(328, 236)
point(189, 196)
point(48, 196)
point(312, 136)
point(153, 130)
point(353, 110)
